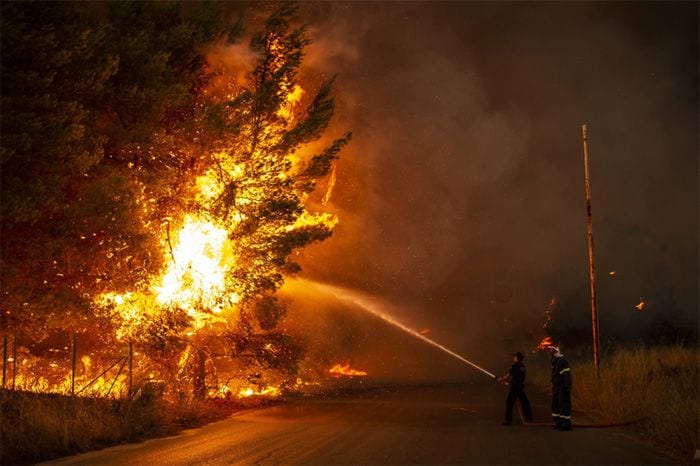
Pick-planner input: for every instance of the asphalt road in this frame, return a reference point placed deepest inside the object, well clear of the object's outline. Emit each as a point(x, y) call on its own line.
point(410, 425)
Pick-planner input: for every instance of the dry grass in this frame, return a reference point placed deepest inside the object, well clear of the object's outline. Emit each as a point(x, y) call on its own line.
point(37, 427)
point(658, 386)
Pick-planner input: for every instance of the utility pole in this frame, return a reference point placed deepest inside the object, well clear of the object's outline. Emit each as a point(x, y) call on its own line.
point(591, 263)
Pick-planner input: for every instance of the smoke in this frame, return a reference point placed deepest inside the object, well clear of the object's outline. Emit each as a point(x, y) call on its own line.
point(461, 196)
point(230, 64)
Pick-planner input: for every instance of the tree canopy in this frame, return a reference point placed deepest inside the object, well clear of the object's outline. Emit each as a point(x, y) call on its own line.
point(148, 195)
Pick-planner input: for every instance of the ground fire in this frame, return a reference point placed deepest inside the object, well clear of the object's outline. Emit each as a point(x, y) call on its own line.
point(344, 370)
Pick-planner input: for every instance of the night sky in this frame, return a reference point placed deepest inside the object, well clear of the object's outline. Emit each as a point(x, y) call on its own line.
point(461, 196)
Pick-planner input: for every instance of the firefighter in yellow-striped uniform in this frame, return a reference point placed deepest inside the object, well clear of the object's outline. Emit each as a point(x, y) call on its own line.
point(561, 390)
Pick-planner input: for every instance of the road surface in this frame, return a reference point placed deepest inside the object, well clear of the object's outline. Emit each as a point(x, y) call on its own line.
point(410, 425)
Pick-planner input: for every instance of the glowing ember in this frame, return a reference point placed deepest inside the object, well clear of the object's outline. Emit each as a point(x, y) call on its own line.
point(425, 331)
point(344, 370)
point(641, 305)
point(612, 273)
point(549, 310)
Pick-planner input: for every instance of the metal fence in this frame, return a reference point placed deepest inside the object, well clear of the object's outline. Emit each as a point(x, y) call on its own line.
point(110, 377)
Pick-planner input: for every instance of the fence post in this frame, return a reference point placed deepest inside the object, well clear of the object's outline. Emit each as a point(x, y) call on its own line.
point(4, 360)
point(131, 367)
point(72, 374)
point(14, 361)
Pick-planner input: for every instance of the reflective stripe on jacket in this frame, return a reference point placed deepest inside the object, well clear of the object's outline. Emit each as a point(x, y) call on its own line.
point(561, 373)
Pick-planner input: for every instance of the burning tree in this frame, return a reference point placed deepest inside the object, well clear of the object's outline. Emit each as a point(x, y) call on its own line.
point(204, 206)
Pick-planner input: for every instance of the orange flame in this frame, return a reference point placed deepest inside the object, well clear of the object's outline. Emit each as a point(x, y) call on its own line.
point(329, 189)
point(340, 370)
point(546, 341)
point(269, 391)
point(641, 305)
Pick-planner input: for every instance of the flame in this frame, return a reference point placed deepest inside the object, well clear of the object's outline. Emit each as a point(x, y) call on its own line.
point(195, 278)
point(86, 362)
point(641, 305)
point(546, 342)
point(329, 189)
point(269, 391)
point(612, 273)
point(208, 187)
point(308, 219)
point(340, 370)
point(291, 100)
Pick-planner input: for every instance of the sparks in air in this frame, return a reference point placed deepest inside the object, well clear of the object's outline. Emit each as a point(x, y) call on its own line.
point(344, 370)
point(549, 311)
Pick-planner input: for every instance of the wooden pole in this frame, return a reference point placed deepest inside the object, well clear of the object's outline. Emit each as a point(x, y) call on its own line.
point(72, 370)
point(4, 360)
point(131, 367)
point(591, 263)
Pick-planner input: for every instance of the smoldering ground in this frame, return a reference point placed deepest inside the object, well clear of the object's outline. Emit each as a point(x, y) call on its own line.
point(461, 196)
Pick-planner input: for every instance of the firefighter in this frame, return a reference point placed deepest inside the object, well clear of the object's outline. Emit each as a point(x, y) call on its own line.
point(516, 374)
point(561, 390)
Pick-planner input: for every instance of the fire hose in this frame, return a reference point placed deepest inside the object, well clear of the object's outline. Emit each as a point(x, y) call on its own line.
point(370, 306)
